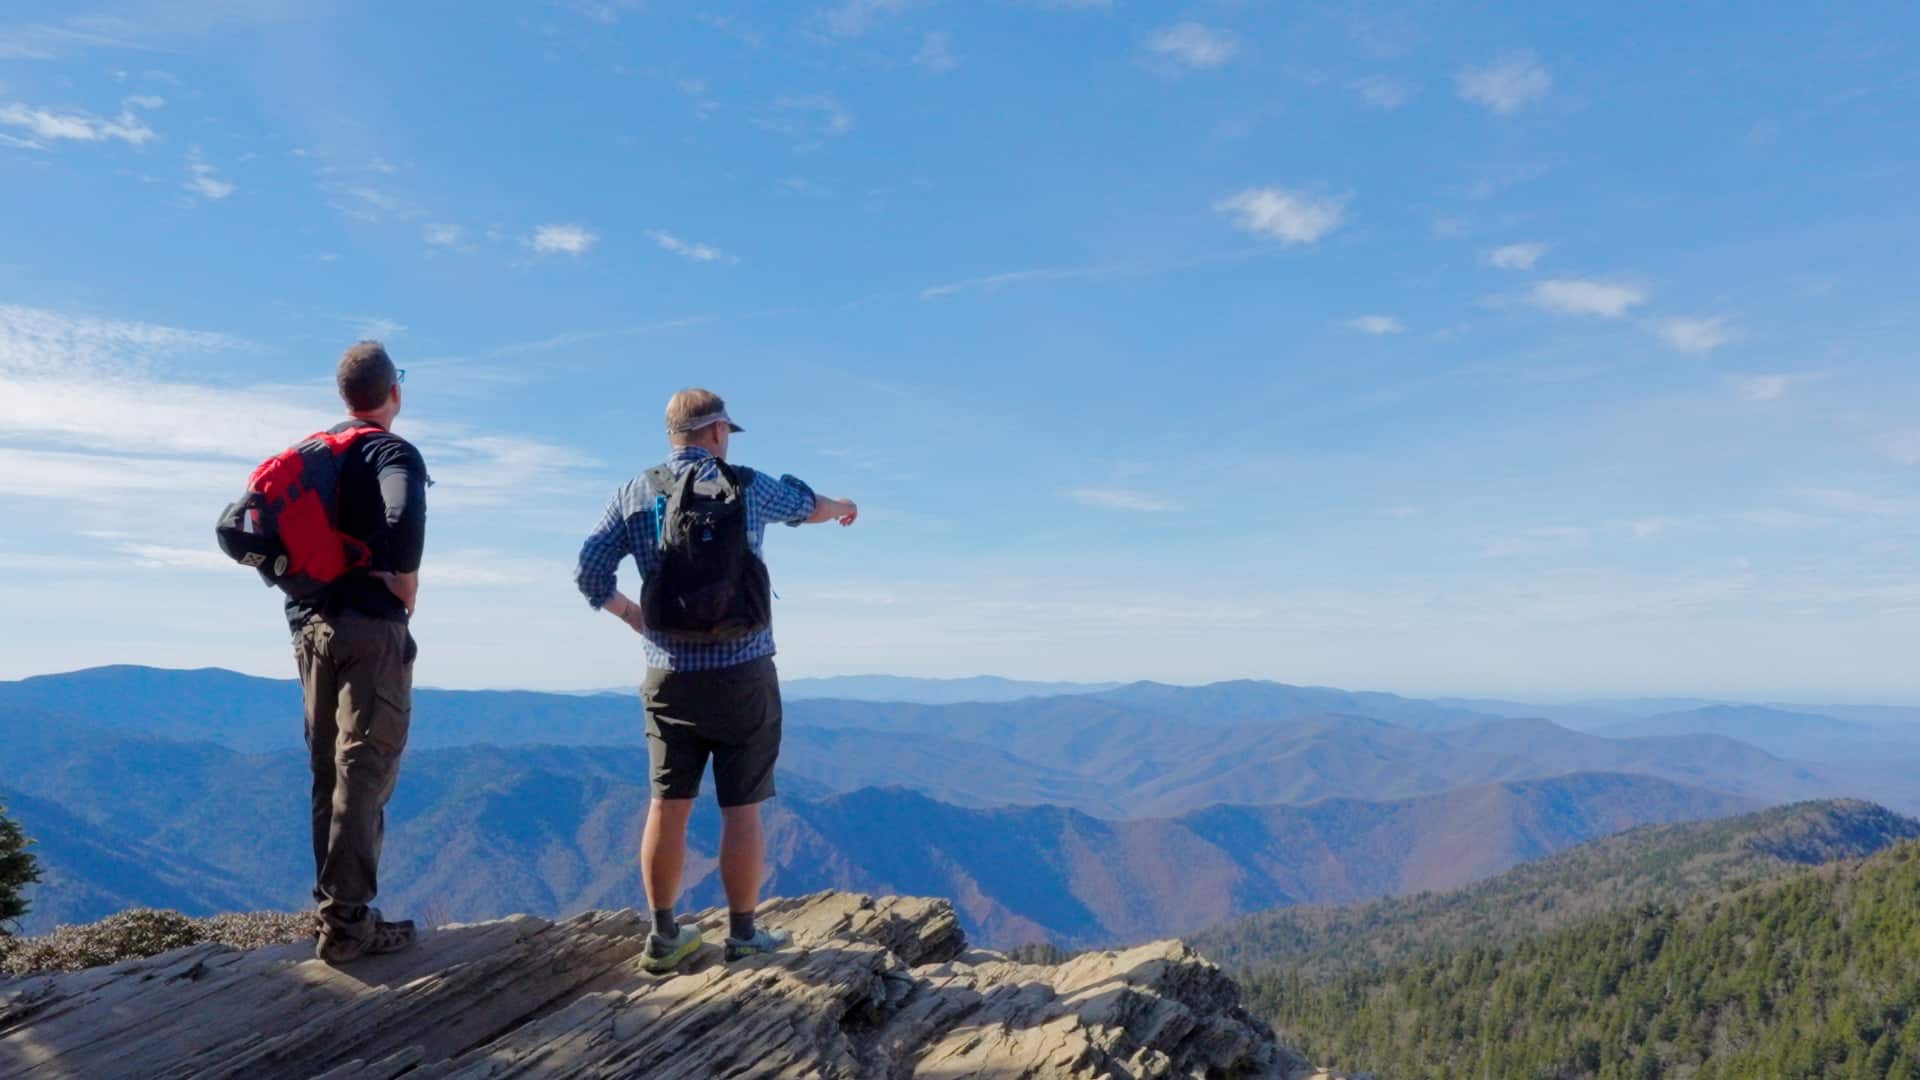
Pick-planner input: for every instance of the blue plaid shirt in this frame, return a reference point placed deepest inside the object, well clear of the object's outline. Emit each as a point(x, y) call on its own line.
point(629, 529)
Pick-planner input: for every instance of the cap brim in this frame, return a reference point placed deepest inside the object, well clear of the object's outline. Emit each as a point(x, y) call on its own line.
point(735, 428)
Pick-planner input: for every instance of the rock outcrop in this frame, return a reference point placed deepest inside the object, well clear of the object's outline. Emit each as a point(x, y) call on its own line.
point(883, 988)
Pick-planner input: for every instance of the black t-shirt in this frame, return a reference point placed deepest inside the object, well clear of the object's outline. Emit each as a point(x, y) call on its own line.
point(383, 501)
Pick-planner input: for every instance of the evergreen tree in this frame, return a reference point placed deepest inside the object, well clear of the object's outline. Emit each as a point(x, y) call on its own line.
point(18, 869)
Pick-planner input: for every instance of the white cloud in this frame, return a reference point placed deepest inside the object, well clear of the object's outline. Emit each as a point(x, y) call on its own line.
point(854, 18)
point(85, 413)
point(1695, 335)
point(1376, 324)
point(936, 52)
point(1192, 45)
point(1762, 387)
point(1904, 447)
point(1516, 256)
point(1579, 296)
point(1120, 499)
point(1291, 217)
point(444, 235)
point(204, 180)
point(831, 119)
point(1553, 540)
point(562, 239)
point(1384, 92)
point(51, 126)
point(705, 253)
point(377, 328)
point(1506, 85)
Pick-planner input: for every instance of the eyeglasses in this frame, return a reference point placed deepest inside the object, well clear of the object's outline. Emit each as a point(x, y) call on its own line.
point(399, 375)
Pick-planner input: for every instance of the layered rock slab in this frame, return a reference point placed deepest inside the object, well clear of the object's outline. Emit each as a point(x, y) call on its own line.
point(882, 987)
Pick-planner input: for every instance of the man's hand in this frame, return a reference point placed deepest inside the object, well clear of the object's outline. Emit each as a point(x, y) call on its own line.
point(404, 586)
point(840, 510)
point(627, 612)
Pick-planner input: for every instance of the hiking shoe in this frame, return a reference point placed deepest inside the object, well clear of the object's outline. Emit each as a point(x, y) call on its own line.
point(665, 953)
point(762, 941)
point(385, 937)
point(390, 937)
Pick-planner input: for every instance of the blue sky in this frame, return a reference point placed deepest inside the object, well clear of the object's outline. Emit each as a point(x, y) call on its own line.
point(1437, 348)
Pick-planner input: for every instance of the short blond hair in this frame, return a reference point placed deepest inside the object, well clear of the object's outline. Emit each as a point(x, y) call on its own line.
point(689, 405)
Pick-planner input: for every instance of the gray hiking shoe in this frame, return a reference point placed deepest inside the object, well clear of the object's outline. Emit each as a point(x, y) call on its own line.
point(338, 948)
point(665, 953)
point(762, 941)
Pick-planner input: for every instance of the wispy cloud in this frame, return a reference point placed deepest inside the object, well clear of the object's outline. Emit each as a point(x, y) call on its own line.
point(1507, 84)
point(50, 125)
point(1904, 446)
point(1581, 296)
point(936, 52)
point(1193, 45)
point(1551, 540)
point(204, 180)
point(562, 240)
point(705, 253)
point(440, 234)
point(809, 116)
point(1695, 335)
point(1763, 387)
point(1376, 324)
point(1516, 256)
point(856, 18)
point(1120, 499)
point(1291, 217)
point(87, 413)
point(376, 327)
point(1098, 271)
point(1385, 92)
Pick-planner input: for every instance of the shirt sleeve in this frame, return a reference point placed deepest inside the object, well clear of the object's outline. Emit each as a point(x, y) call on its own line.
point(401, 474)
point(597, 573)
point(787, 500)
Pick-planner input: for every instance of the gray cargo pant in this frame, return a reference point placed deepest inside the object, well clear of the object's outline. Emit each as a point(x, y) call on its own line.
point(356, 675)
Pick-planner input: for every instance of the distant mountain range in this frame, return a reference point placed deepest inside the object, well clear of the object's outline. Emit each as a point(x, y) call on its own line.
point(1104, 815)
point(485, 831)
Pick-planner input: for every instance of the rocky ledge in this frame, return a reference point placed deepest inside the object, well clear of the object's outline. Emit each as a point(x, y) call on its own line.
point(884, 987)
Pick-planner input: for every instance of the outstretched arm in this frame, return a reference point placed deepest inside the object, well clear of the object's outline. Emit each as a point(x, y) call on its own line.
point(841, 510)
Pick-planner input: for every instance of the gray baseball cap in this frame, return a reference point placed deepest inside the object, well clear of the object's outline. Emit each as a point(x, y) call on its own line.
point(696, 423)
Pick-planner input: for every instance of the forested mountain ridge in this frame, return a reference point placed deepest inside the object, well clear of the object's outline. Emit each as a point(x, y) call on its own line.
point(1653, 864)
point(1816, 975)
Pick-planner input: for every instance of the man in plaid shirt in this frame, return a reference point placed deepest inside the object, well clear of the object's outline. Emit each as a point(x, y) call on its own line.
point(703, 698)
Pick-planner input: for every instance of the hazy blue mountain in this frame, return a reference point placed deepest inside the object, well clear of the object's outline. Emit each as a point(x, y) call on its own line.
point(87, 872)
point(1102, 756)
point(1809, 736)
point(1248, 701)
point(931, 691)
point(483, 831)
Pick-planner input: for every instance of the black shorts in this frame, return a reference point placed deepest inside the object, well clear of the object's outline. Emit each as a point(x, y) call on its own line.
point(731, 715)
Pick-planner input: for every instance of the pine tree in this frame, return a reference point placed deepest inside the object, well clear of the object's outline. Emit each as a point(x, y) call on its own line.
point(18, 869)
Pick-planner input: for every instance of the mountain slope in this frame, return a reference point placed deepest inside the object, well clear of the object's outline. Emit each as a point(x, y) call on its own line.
point(931, 691)
point(87, 871)
point(1815, 975)
point(1656, 864)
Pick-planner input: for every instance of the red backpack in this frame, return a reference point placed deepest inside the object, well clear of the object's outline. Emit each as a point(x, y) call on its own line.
point(287, 524)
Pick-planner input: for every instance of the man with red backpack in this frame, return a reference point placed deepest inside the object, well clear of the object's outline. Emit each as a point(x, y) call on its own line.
point(338, 523)
point(694, 526)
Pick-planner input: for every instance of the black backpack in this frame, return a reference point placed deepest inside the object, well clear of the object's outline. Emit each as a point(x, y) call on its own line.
point(710, 587)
